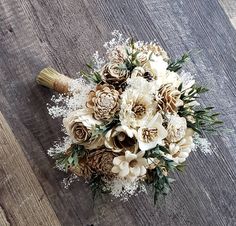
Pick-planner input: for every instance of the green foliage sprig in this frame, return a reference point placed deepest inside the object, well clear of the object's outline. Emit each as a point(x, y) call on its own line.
point(104, 128)
point(156, 177)
point(98, 185)
point(131, 61)
point(203, 118)
point(93, 76)
point(70, 158)
point(176, 65)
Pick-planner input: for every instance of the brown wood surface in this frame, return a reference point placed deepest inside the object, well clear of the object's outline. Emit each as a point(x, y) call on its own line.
point(64, 34)
point(22, 200)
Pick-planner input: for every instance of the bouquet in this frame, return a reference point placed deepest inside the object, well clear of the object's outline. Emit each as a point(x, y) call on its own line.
point(130, 121)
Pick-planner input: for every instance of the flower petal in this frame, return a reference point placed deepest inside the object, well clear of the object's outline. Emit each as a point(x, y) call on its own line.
point(124, 165)
point(118, 160)
point(147, 146)
point(140, 154)
point(183, 155)
point(142, 162)
point(115, 169)
point(131, 178)
point(135, 171)
point(142, 171)
point(124, 172)
point(130, 156)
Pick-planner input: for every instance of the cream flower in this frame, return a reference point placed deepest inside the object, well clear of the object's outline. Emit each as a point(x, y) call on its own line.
point(79, 126)
point(168, 98)
point(180, 151)
point(118, 55)
point(111, 73)
point(142, 57)
point(176, 128)
point(136, 103)
point(171, 77)
point(130, 166)
point(156, 66)
point(121, 138)
point(151, 134)
point(138, 71)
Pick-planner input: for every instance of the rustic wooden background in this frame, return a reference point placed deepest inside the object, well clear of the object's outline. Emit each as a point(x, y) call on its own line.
point(63, 34)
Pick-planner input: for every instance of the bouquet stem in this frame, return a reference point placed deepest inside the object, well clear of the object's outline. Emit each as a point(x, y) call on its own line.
point(54, 80)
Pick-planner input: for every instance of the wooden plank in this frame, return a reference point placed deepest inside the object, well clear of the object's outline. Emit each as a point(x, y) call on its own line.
point(22, 200)
point(230, 8)
point(63, 34)
point(3, 218)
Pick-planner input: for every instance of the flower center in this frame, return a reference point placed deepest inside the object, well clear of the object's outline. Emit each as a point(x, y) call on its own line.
point(81, 133)
point(139, 110)
point(149, 134)
point(133, 163)
point(107, 101)
point(123, 141)
point(121, 136)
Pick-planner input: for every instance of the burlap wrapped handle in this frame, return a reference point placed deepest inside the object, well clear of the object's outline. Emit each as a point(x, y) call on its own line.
point(54, 80)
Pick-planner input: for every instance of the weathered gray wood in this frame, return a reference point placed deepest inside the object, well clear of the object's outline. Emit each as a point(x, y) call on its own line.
point(230, 8)
point(63, 34)
point(22, 200)
point(3, 218)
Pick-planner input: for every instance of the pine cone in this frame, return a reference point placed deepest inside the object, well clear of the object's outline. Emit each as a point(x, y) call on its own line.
point(168, 98)
point(104, 102)
point(101, 161)
point(82, 169)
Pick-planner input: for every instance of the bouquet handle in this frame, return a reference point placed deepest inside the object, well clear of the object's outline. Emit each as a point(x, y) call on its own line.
point(52, 79)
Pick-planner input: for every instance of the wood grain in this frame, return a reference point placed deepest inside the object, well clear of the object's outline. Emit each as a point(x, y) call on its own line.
point(230, 8)
point(22, 200)
point(64, 34)
point(3, 218)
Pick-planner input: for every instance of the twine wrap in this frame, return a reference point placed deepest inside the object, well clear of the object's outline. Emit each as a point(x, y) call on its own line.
point(54, 80)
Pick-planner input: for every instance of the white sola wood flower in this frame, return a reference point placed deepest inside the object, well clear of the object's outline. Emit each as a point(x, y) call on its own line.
point(176, 128)
point(130, 166)
point(121, 138)
point(136, 103)
point(180, 151)
point(156, 66)
point(79, 125)
point(152, 133)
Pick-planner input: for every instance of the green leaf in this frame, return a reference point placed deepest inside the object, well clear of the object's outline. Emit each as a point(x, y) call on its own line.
point(177, 65)
point(97, 185)
point(181, 167)
point(70, 159)
point(164, 149)
point(180, 87)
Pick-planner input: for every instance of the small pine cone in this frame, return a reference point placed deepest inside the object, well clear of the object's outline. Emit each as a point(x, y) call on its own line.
point(101, 161)
point(122, 87)
point(148, 76)
point(82, 169)
point(168, 98)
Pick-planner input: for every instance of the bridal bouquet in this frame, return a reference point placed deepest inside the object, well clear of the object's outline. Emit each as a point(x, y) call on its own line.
point(130, 121)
